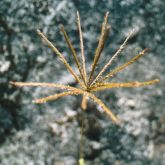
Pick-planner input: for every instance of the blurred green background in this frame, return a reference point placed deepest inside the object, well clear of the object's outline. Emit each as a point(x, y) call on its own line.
point(49, 134)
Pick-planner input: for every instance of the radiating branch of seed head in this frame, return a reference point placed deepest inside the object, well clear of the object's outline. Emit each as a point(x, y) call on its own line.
point(60, 55)
point(81, 47)
point(116, 70)
point(54, 97)
point(113, 57)
point(73, 52)
point(105, 108)
point(106, 85)
point(38, 84)
point(104, 33)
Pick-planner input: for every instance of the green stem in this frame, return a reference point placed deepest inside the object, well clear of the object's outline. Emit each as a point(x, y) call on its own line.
point(81, 155)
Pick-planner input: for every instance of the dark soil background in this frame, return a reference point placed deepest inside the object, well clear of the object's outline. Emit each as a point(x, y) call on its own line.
point(49, 134)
